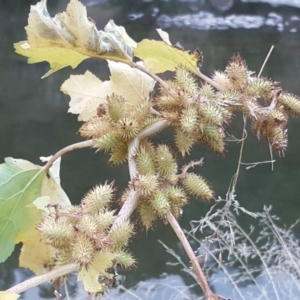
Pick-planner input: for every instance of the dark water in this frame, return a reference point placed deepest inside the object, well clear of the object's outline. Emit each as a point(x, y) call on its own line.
point(34, 121)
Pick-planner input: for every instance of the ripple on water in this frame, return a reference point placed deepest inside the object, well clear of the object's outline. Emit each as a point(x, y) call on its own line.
point(209, 21)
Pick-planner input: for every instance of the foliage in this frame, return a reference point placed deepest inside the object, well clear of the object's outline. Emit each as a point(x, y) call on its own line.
point(9, 296)
point(119, 117)
point(21, 184)
point(70, 34)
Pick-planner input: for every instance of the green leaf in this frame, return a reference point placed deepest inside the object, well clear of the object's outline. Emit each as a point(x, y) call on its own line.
point(8, 169)
point(20, 190)
point(21, 183)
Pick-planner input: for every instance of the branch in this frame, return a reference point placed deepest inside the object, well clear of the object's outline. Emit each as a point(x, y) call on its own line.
point(170, 91)
point(192, 164)
point(127, 209)
point(265, 61)
point(189, 251)
point(231, 189)
point(66, 269)
point(37, 280)
point(275, 97)
point(210, 81)
point(132, 200)
point(134, 145)
point(61, 152)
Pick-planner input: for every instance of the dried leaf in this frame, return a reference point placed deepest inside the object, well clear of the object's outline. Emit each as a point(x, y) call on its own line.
point(128, 40)
point(122, 31)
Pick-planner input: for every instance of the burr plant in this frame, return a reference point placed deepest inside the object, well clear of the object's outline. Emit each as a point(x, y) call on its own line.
point(120, 116)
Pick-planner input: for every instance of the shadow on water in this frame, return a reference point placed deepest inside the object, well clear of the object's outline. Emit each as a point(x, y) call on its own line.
point(34, 122)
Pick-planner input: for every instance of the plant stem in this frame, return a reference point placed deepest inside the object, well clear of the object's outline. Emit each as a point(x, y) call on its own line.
point(134, 145)
point(265, 61)
point(124, 214)
point(275, 97)
point(167, 87)
point(35, 281)
point(210, 81)
point(236, 175)
point(132, 200)
point(127, 209)
point(192, 164)
point(169, 90)
point(61, 152)
point(130, 203)
point(189, 251)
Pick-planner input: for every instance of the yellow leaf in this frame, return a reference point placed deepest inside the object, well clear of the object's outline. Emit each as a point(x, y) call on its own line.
point(90, 275)
point(160, 57)
point(57, 57)
point(8, 296)
point(130, 83)
point(87, 91)
point(69, 38)
point(35, 254)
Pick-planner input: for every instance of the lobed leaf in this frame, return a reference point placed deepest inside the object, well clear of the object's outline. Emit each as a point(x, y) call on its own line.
point(87, 92)
point(57, 57)
point(71, 37)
